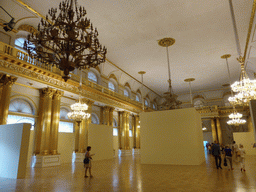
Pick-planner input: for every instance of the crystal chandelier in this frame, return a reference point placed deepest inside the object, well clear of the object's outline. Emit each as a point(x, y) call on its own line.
point(245, 88)
point(67, 40)
point(235, 117)
point(170, 97)
point(79, 109)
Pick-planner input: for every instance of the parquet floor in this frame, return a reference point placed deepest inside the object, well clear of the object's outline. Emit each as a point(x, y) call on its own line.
point(127, 174)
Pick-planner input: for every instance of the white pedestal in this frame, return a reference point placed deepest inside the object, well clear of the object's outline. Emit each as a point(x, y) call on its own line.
point(46, 161)
point(125, 152)
point(78, 157)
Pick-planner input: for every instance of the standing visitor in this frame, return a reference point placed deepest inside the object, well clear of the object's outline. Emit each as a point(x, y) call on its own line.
point(217, 154)
point(235, 149)
point(87, 161)
point(241, 152)
point(228, 156)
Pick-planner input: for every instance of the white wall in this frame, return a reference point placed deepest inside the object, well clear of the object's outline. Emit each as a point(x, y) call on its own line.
point(115, 145)
point(172, 137)
point(14, 150)
point(247, 139)
point(101, 141)
point(66, 146)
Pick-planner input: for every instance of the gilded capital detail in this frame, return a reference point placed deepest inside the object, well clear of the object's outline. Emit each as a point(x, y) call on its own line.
point(58, 94)
point(47, 92)
point(7, 79)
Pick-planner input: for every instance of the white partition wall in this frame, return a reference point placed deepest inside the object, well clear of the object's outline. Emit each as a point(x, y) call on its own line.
point(172, 137)
point(14, 144)
point(247, 140)
point(101, 141)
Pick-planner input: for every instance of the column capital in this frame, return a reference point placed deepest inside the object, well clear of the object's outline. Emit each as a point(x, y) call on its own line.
point(111, 109)
point(6, 79)
point(58, 94)
point(47, 92)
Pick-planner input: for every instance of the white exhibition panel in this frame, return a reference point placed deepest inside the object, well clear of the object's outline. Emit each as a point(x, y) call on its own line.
point(66, 146)
point(172, 137)
point(247, 139)
point(101, 141)
point(14, 144)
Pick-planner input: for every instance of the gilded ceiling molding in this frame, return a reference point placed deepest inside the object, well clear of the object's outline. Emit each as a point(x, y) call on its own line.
point(113, 77)
point(250, 28)
point(198, 97)
point(46, 78)
point(127, 85)
point(27, 28)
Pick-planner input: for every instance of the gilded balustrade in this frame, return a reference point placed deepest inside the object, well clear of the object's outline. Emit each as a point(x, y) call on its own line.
point(18, 62)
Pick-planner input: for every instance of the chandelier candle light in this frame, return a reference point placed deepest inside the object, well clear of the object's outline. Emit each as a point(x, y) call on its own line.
point(79, 109)
point(171, 98)
point(67, 40)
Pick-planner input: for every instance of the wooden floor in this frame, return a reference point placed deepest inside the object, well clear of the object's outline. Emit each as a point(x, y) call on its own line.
point(127, 174)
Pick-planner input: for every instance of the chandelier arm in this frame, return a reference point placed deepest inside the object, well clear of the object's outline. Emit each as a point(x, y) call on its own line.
point(235, 28)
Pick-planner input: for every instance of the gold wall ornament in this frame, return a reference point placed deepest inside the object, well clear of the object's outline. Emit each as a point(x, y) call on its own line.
point(69, 41)
point(28, 28)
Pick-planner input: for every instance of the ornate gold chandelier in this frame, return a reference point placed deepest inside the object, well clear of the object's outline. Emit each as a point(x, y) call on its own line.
point(171, 99)
point(67, 40)
point(79, 109)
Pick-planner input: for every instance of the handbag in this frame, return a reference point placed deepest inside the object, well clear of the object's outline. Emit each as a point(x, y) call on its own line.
point(86, 160)
point(225, 162)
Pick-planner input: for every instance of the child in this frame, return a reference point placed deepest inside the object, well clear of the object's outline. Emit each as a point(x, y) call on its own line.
point(87, 161)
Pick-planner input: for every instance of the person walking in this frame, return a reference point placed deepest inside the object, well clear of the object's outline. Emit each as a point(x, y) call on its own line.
point(87, 161)
point(241, 152)
point(228, 156)
point(234, 150)
point(217, 154)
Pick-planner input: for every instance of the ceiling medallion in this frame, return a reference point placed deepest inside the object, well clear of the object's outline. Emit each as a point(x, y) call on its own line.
point(67, 40)
point(171, 99)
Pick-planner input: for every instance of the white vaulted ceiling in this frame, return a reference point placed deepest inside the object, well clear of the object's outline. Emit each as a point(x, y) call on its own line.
point(130, 29)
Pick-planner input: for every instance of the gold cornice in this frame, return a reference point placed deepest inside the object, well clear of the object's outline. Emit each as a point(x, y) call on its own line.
point(27, 28)
point(250, 28)
point(23, 85)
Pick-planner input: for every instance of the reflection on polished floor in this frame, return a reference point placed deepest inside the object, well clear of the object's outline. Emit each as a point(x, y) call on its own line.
point(127, 174)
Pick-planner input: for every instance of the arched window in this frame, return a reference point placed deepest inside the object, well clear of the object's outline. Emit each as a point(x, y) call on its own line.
point(19, 42)
point(114, 123)
point(198, 103)
point(146, 102)
point(64, 113)
point(154, 106)
point(111, 86)
point(92, 77)
point(115, 130)
point(226, 101)
point(23, 107)
point(94, 119)
point(126, 93)
point(138, 97)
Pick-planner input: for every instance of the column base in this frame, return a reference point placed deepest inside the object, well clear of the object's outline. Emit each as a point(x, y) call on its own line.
point(136, 151)
point(45, 161)
point(78, 157)
point(125, 152)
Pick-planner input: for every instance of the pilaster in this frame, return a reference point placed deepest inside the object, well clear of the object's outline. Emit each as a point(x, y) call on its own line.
point(219, 130)
point(214, 132)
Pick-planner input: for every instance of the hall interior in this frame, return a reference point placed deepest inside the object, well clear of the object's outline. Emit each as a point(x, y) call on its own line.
point(132, 80)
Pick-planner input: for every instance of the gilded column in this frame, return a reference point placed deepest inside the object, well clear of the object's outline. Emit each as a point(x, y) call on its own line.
point(47, 94)
point(106, 115)
point(126, 130)
point(250, 125)
point(55, 119)
point(82, 133)
point(134, 132)
point(219, 131)
point(111, 111)
point(88, 122)
point(7, 81)
point(77, 129)
point(101, 115)
point(138, 132)
point(120, 129)
point(214, 133)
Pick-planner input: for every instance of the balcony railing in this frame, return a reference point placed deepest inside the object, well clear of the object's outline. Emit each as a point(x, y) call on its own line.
point(23, 56)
